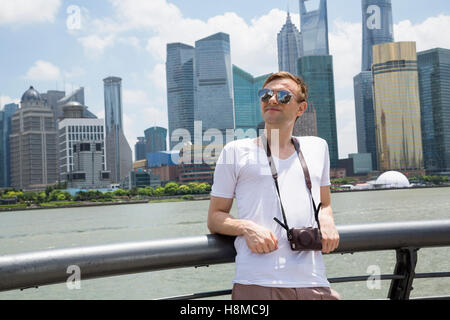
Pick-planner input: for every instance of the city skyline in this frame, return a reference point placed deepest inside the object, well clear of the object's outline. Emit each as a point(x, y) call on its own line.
point(123, 35)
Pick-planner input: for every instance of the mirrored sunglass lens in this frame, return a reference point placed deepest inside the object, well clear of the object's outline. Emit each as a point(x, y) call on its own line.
point(265, 94)
point(284, 96)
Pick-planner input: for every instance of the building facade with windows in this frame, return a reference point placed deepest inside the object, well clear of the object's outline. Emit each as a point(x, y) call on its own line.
point(434, 84)
point(397, 107)
point(213, 84)
point(33, 141)
point(314, 28)
point(180, 89)
point(246, 102)
point(119, 159)
point(74, 130)
point(317, 71)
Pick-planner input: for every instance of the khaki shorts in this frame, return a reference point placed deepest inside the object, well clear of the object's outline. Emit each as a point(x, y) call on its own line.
point(254, 292)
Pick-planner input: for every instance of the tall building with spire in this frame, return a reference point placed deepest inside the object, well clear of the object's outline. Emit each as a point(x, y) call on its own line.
point(118, 152)
point(377, 28)
point(315, 66)
point(289, 41)
point(314, 29)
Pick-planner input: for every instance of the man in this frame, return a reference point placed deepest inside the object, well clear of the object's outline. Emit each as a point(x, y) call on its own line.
point(266, 267)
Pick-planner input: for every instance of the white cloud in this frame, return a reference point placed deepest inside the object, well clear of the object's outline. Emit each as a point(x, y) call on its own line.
point(20, 12)
point(345, 47)
point(431, 33)
point(6, 100)
point(95, 45)
point(43, 70)
point(158, 77)
point(75, 72)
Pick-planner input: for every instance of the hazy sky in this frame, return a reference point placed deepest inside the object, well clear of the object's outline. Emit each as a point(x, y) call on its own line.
point(42, 45)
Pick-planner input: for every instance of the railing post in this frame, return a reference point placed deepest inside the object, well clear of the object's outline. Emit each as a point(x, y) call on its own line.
point(405, 266)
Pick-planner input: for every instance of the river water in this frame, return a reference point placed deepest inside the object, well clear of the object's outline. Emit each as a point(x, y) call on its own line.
point(25, 231)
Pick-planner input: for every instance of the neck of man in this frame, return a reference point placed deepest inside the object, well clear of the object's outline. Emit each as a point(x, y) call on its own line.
point(281, 133)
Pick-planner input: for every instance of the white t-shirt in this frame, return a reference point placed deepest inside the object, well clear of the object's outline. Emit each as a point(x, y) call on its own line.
point(243, 172)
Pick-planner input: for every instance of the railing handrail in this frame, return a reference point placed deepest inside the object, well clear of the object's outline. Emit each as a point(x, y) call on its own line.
point(34, 269)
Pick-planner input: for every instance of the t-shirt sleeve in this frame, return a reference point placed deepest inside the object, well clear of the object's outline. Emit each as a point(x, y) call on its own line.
point(224, 183)
point(325, 180)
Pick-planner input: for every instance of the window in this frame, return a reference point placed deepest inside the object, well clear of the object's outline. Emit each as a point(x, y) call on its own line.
point(85, 147)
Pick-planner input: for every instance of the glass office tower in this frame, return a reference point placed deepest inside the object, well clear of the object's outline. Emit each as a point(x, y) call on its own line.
point(289, 47)
point(364, 115)
point(377, 27)
point(155, 139)
point(213, 83)
point(118, 152)
point(180, 88)
point(314, 29)
point(397, 106)
point(317, 72)
point(5, 154)
point(434, 84)
point(246, 103)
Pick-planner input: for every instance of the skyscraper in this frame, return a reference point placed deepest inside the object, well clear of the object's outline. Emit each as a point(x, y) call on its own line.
point(139, 149)
point(289, 46)
point(118, 152)
point(306, 125)
point(155, 139)
point(377, 27)
point(33, 144)
point(73, 128)
point(180, 89)
point(397, 106)
point(213, 83)
point(317, 72)
point(5, 154)
point(246, 103)
point(434, 84)
point(364, 115)
point(314, 29)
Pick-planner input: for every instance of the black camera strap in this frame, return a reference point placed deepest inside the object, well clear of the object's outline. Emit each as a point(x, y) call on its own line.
point(296, 144)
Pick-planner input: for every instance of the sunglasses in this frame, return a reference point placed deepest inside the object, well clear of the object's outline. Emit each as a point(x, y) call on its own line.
point(283, 96)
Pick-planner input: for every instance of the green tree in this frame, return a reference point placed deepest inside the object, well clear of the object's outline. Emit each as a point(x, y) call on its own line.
point(183, 189)
point(171, 188)
point(159, 191)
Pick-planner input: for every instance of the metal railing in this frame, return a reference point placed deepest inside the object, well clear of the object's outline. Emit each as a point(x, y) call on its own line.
point(26, 270)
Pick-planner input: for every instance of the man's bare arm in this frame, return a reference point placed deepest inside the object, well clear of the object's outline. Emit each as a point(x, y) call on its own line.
point(330, 235)
point(258, 238)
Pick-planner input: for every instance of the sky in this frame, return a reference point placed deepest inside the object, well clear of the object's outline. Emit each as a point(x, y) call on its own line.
point(66, 44)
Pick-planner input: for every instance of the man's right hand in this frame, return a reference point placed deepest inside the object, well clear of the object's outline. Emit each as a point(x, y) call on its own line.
point(259, 239)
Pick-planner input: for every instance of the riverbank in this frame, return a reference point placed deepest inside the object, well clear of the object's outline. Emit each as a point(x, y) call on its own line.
point(79, 204)
point(176, 198)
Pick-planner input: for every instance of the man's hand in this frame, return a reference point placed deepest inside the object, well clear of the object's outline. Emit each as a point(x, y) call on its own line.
point(259, 239)
point(330, 235)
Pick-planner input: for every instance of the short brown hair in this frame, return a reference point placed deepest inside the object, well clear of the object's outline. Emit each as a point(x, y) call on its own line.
point(302, 87)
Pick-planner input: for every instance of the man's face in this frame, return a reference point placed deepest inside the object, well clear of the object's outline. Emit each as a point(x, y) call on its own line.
point(275, 113)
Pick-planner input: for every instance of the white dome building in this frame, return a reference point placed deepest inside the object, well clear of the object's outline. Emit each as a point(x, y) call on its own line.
point(392, 179)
